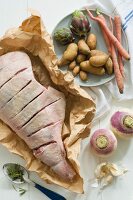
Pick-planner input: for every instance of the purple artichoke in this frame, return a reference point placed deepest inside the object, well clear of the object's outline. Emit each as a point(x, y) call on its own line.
point(80, 24)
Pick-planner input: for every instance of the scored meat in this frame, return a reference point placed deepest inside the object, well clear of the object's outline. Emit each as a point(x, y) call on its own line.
point(20, 100)
point(43, 100)
point(36, 113)
point(12, 87)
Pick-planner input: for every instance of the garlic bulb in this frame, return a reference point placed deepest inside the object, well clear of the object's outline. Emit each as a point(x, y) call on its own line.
point(106, 172)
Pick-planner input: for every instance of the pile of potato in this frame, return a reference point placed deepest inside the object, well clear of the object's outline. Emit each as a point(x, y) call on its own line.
point(83, 58)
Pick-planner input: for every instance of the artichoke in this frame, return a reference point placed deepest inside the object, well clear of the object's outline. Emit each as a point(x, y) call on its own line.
point(80, 24)
point(64, 36)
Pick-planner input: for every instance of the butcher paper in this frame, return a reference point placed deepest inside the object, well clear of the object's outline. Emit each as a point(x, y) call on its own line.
point(33, 38)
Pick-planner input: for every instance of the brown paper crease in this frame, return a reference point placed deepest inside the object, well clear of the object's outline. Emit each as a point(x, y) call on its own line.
point(33, 38)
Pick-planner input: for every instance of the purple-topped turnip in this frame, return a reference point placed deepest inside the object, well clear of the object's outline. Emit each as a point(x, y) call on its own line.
point(103, 142)
point(122, 124)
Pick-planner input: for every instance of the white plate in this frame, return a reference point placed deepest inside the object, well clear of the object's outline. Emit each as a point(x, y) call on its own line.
point(93, 80)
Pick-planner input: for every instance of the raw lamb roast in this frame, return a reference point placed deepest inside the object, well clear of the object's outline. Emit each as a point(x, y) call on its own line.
point(34, 112)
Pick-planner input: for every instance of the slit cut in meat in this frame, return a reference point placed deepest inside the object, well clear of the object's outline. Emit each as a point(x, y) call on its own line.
point(45, 117)
point(41, 148)
point(43, 100)
point(48, 151)
point(13, 87)
point(45, 135)
point(16, 104)
point(6, 75)
point(46, 144)
point(45, 126)
point(15, 116)
point(21, 70)
point(14, 95)
point(36, 114)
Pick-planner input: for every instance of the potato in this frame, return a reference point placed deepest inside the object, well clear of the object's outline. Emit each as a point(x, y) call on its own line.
point(91, 41)
point(83, 47)
point(83, 75)
point(76, 70)
point(98, 61)
point(71, 52)
point(97, 71)
point(97, 53)
point(69, 55)
point(109, 66)
point(72, 65)
point(80, 58)
point(87, 67)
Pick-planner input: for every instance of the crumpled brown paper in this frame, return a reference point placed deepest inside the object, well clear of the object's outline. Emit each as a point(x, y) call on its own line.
point(33, 38)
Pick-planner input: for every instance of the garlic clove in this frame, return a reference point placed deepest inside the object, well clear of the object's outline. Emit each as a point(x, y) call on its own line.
point(106, 181)
point(115, 171)
point(102, 170)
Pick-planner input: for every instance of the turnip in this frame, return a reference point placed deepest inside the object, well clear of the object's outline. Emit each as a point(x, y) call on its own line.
point(122, 124)
point(103, 142)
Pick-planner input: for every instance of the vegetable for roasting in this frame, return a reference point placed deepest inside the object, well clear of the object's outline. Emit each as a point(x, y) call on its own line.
point(103, 142)
point(36, 113)
point(80, 24)
point(69, 55)
point(64, 36)
point(83, 47)
point(122, 124)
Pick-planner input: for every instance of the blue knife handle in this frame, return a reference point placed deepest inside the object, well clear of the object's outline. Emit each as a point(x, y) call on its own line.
point(49, 193)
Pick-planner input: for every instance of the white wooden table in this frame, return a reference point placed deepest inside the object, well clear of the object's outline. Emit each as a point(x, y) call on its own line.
point(12, 12)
